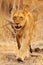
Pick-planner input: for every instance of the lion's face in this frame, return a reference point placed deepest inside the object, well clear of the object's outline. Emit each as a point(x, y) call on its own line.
point(19, 19)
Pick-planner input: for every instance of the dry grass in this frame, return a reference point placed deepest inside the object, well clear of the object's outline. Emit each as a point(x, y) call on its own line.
point(8, 43)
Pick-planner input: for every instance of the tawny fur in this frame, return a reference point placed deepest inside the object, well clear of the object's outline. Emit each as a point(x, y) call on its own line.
point(24, 25)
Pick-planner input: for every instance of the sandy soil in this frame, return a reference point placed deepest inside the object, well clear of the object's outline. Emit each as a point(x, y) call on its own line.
point(10, 59)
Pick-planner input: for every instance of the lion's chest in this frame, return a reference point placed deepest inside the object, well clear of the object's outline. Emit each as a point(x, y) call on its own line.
point(23, 35)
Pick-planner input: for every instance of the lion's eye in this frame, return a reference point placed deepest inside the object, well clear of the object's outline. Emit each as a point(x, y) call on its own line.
point(14, 17)
point(21, 18)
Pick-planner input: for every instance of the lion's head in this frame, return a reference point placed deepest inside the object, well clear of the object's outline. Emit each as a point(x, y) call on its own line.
point(19, 18)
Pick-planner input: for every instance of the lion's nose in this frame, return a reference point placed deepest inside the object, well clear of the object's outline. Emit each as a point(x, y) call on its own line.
point(17, 23)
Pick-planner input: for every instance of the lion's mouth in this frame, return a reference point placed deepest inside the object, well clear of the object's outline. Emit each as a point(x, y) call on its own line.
point(18, 27)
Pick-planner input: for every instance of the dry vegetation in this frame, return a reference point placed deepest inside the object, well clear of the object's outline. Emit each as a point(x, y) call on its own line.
point(8, 42)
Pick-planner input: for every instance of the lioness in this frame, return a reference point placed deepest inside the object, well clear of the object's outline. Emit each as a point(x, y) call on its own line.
point(23, 25)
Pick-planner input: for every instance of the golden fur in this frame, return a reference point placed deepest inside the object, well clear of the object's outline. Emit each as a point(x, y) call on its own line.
point(23, 24)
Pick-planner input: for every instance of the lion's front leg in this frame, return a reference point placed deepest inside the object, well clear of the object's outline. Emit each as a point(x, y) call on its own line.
point(19, 40)
point(24, 50)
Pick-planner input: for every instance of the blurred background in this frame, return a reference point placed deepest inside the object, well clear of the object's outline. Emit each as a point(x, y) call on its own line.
point(7, 35)
point(8, 44)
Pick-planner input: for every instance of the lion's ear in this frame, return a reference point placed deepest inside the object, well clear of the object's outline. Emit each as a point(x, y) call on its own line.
point(31, 17)
point(35, 15)
point(12, 12)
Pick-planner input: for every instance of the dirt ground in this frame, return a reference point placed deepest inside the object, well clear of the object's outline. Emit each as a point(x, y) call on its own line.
point(10, 59)
point(8, 44)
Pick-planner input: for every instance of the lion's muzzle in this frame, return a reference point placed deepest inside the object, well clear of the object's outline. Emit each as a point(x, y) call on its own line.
point(18, 27)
